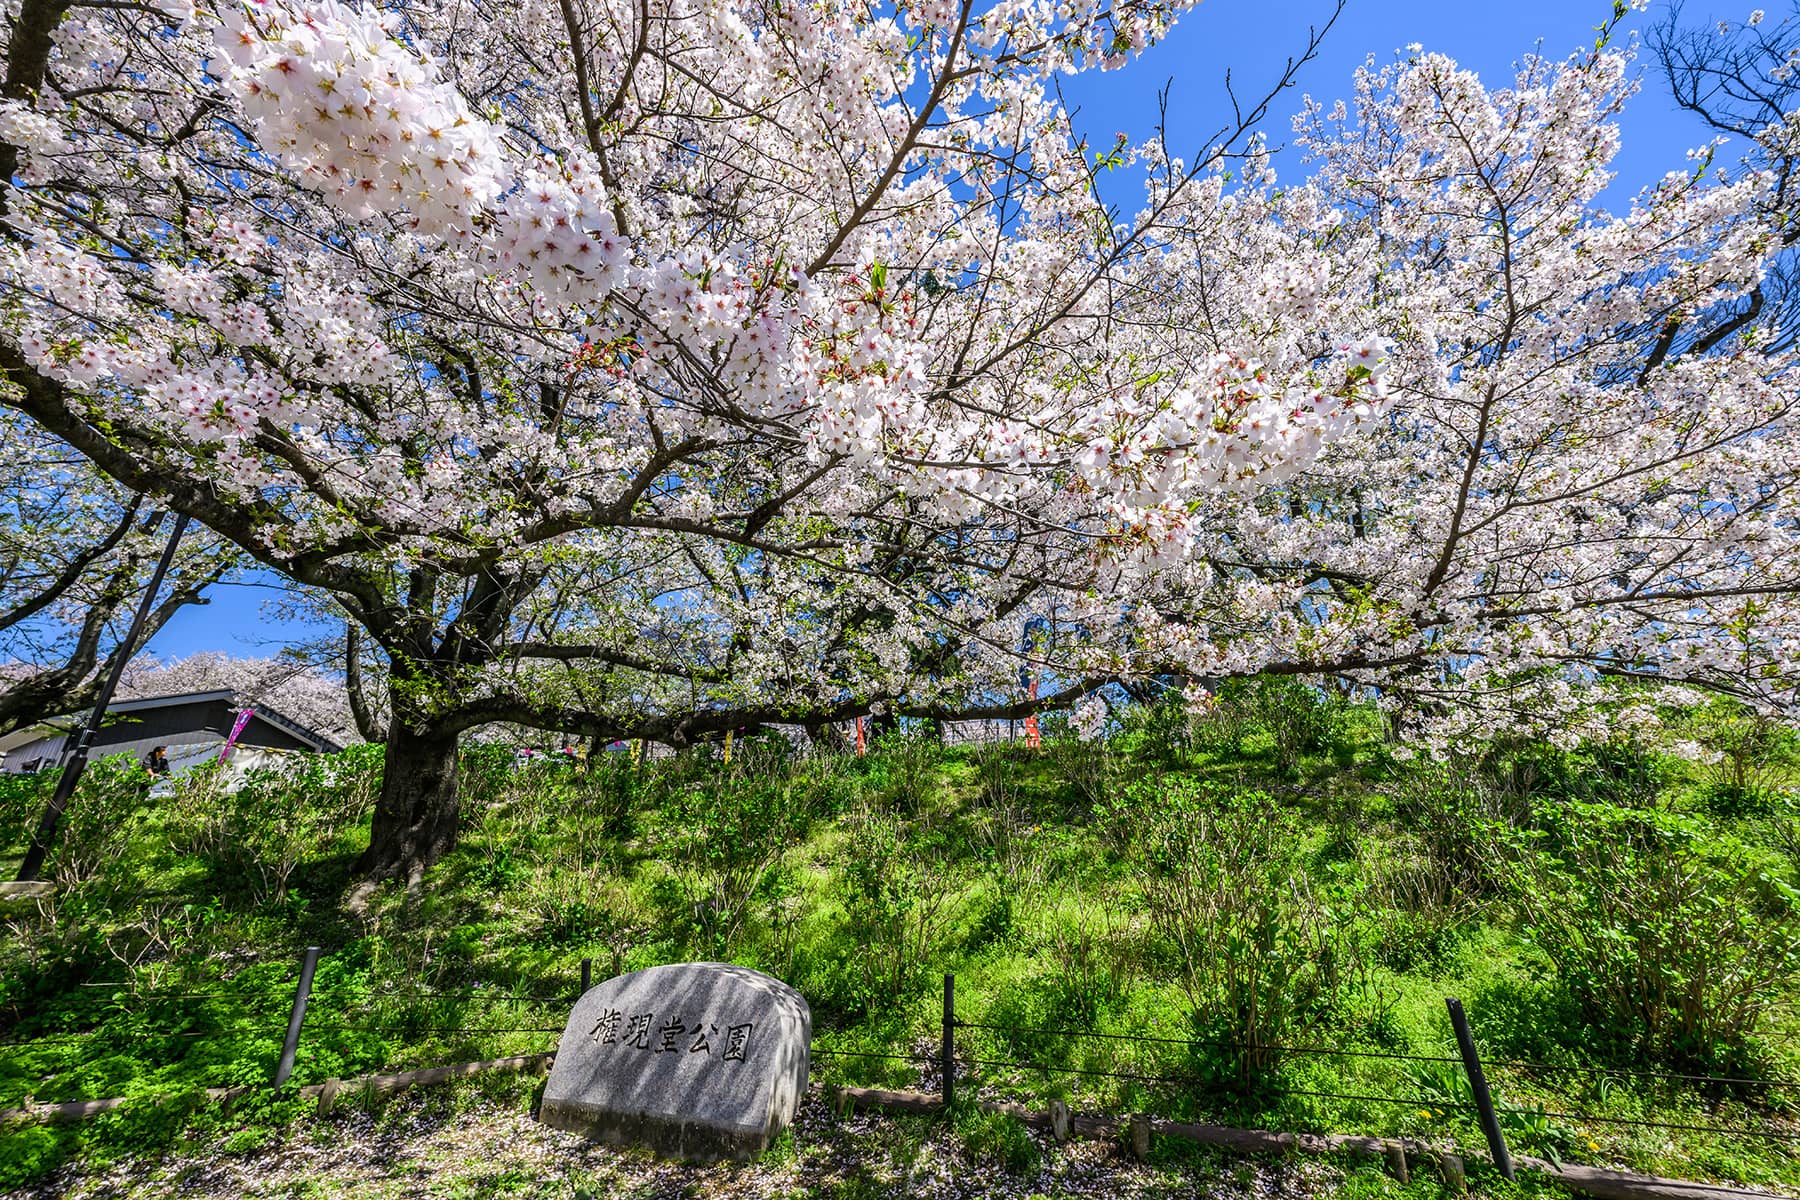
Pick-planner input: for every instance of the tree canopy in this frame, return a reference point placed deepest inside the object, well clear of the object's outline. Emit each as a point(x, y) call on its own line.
point(646, 369)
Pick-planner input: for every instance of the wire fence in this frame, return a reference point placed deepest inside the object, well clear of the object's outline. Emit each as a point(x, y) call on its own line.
point(1253, 1071)
point(125, 1016)
point(1175, 1067)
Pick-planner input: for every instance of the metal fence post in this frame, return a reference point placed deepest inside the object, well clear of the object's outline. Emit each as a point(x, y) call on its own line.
point(587, 975)
point(949, 1044)
point(1484, 1103)
point(302, 993)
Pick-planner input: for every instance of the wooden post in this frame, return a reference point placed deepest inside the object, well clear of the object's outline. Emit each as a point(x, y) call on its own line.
point(587, 975)
point(1484, 1103)
point(302, 992)
point(328, 1094)
point(1140, 1136)
point(1061, 1127)
point(1397, 1162)
point(947, 1054)
point(1454, 1176)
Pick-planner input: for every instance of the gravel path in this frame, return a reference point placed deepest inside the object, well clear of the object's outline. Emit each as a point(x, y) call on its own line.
point(426, 1145)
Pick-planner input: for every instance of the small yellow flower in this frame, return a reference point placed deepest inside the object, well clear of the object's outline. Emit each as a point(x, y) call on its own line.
point(1592, 1144)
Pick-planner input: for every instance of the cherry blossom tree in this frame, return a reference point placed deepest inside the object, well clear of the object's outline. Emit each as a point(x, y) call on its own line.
point(75, 554)
point(653, 370)
point(809, 310)
point(1588, 467)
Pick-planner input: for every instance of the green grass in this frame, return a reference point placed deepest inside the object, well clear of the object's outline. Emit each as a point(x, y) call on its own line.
point(862, 882)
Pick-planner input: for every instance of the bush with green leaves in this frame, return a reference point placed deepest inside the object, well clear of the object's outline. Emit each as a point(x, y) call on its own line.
point(1159, 730)
point(728, 832)
point(608, 791)
point(1454, 811)
point(1263, 956)
point(1669, 942)
point(22, 801)
point(902, 766)
point(1626, 771)
point(483, 771)
point(99, 821)
point(900, 898)
point(1421, 912)
point(261, 827)
point(1298, 719)
point(1752, 753)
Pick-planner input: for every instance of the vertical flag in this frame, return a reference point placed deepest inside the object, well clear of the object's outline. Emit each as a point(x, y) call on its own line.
point(243, 719)
point(862, 745)
point(728, 747)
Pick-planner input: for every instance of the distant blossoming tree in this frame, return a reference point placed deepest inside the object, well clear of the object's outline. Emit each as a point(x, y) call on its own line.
point(295, 689)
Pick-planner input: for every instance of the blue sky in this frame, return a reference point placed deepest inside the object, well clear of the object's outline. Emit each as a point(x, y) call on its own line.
point(1252, 38)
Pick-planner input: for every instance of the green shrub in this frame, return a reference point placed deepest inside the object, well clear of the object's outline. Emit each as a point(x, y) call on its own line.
point(1159, 730)
point(1262, 957)
point(1421, 913)
point(1297, 718)
point(577, 900)
point(1090, 769)
point(1623, 771)
point(1224, 727)
point(608, 792)
point(900, 897)
point(902, 766)
point(1751, 752)
point(1095, 955)
point(729, 834)
point(484, 771)
point(277, 816)
point(1664, 943)
point(99, 821)
point(22, 801)
point(1456, 811)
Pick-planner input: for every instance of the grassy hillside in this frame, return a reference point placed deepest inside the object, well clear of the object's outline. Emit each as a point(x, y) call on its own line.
point(1262, 905)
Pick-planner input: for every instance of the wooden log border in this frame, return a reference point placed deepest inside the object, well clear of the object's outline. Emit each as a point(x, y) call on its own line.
point(1598, 1182)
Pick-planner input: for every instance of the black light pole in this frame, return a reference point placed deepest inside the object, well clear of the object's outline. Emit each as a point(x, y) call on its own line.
point(76, 761)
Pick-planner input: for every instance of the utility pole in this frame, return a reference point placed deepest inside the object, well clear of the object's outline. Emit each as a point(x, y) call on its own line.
point(76, 760)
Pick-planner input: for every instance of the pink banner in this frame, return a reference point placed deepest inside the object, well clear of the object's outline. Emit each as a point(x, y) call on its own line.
point(243, 719)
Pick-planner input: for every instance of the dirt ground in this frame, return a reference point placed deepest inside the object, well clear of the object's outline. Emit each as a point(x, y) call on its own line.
point(429, 1145)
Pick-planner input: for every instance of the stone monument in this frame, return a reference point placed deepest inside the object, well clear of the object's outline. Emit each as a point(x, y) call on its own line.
point(701, 1061)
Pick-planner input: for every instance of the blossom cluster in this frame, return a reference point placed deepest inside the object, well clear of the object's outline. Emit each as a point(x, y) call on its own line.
point(333, 94)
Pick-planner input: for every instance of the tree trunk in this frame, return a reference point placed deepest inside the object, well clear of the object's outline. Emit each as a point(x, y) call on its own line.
point(416, 815)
